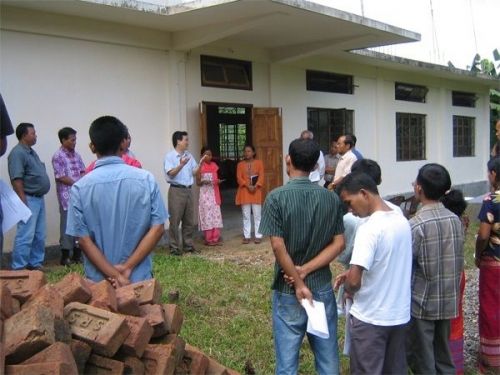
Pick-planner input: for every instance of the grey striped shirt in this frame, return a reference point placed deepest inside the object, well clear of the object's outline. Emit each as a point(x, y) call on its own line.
point(438, 261)
point(307, 217)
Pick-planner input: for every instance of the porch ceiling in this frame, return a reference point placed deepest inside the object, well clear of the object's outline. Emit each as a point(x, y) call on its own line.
point(288, 29)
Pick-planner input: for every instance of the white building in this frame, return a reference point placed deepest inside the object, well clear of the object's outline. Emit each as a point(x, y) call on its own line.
point(263, 69)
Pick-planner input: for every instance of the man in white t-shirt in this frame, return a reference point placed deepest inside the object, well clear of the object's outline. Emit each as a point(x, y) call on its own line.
point(379, 280)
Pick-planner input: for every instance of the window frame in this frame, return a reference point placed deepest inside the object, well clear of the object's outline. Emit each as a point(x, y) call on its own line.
point(461, 146)
point(410, 95)
point(457, 96)
point(413, 153)
point(345, 88)
point(225, 64)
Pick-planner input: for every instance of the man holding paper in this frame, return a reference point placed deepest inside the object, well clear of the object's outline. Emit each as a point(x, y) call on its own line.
point(305, 224)
point(378, 280)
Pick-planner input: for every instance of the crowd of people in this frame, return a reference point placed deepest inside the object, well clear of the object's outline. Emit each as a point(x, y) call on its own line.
point(403, 281)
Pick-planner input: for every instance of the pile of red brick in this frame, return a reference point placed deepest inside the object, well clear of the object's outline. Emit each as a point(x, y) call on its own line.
point(75, 326)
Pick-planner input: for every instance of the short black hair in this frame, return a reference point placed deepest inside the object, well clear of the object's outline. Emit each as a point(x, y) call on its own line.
point(353, 138)
point(349, 140)
point(177, 136)
point(205, 149)
point(494, 166)
point(64, 133)
point(304, 154)
point(454, 201)
point(106, 134)
point(354, 182)
point(370, 167)
point(434, 180)
point(22, 129)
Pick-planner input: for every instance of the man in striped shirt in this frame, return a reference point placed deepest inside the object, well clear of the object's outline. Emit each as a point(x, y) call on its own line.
point(306, 228)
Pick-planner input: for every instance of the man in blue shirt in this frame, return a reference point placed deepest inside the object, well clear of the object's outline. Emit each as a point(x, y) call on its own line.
point(180, 167)
point(116, 210)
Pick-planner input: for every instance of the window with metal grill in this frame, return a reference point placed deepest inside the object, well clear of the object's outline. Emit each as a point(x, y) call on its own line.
point(410, 136)
point(329, 124)
point(463, 136)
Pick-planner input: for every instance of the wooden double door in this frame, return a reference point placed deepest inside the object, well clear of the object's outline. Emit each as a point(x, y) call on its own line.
point(226, 128)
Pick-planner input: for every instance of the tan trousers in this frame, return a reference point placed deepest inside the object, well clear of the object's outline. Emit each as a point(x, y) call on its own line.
point(181, 210)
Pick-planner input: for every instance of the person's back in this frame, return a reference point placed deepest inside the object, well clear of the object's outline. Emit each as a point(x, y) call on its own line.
point(310, 213)
point(304, 222)
point(437, 237)
point(438, 233)
point(116, 211)
point(118, 201)
point(384, 297)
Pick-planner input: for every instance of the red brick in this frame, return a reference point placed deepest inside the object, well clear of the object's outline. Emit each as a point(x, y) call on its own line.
point(196, 360)
point(6, 308)
point(174, 340)
point(133, 365)
point(47, 296)
point(2, 351)
point(173, 317)
point(140, 334)
point(146, 292)
point(127, 303)
point(16, 305)
point(48, 368)
point(104, 331)
point(81, 352)
point(28, 332)
point(159, 359)
point(22, 284)
point(62, 331)
point(156, 318)
point(102, 365)
point(57, 352)
point(103, 296)
point(74, 288)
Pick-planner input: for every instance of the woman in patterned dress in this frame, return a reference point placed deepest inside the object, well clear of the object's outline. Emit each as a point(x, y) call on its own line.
point(210, 217)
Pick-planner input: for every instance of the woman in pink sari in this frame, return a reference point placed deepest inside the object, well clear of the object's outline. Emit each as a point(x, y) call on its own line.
point(210, 218)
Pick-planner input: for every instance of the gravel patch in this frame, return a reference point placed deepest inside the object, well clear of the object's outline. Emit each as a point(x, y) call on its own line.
point(471, 328)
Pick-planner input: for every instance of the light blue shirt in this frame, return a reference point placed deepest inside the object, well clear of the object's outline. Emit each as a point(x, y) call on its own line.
point(115, 205)
point(185, 175)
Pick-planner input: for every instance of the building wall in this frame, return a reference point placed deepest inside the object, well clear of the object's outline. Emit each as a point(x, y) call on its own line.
point(59, 73)
point(57, 81)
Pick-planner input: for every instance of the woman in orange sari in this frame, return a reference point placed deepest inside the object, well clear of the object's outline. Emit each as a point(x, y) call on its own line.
point(488, 262)
point(250, 177)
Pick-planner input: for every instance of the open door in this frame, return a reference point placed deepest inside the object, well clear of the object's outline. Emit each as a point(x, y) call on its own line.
point(267, 139)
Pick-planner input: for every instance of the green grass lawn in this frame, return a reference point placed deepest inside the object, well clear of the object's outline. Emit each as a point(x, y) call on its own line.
point(227, 309)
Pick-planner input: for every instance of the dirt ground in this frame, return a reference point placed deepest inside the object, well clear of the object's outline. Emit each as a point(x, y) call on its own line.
point(232, 250)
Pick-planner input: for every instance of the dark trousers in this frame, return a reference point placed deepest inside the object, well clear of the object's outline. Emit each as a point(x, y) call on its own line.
point(377, 349)
point(427, 347)
point(181, 210)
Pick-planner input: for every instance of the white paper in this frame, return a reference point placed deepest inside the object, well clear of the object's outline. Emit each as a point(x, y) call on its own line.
point(316, 318)
point(347, 338)
point(13, 208)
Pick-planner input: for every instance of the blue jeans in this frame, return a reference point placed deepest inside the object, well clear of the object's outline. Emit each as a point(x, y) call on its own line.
point(289, 327)
point(29, 244)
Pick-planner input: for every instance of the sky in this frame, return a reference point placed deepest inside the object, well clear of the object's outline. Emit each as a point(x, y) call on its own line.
point(451, 30)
